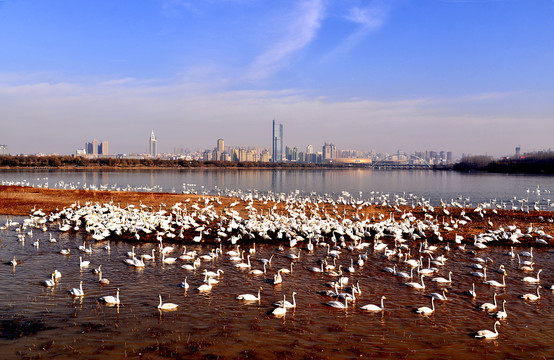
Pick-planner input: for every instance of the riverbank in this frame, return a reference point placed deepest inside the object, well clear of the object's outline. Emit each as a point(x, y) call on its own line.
point(449, 222)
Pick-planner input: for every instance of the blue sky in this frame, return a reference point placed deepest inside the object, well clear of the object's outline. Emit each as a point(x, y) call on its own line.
point(470, 76)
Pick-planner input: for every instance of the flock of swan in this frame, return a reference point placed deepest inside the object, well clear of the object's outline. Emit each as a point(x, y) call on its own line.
point(339, 235)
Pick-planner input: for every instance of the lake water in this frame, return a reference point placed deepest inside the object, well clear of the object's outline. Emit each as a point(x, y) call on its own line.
point(469, 188)
point(48, 322)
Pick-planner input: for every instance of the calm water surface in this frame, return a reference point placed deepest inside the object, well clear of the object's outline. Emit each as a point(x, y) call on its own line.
point(433, 185)
point(48, 322)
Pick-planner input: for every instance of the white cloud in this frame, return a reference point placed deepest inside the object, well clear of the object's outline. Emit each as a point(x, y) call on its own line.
point(301, 30)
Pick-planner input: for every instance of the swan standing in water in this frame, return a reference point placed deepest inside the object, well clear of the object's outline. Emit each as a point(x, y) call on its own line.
point(166, 306)
point(111, 299)
point(77, 292)
point(101, 280)
point(372, 307)
point(250, 297)
point(471, 292)
point(487, 334)
point(206, 287)
point(426, 310)
point(496, 283)
point(443, 280)
point(440, 296)
point(243, 265)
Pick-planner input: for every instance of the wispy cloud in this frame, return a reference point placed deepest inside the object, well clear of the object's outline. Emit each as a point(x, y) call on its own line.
point(301, 31)
point(369, 18)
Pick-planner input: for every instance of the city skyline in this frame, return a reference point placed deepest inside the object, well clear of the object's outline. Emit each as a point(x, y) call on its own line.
point(469, 76)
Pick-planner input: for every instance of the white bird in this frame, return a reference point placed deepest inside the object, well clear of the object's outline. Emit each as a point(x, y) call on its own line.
point(83, 263)
point(184, 284)
point(244, 265)
point(114, 300)
point(288, 304)
point(532, 297)
point(166, 306)
point(79, 291)
point(426, 310)
point(489, 306)
point(338, 304)
point(502, 314)
point(416, 285)
point(532, 280)
point(440, 296)
point(496, 283)
point(257, 271)
point(280, 311)
point(169, 260)
point(101, 280)
point(13, 262)
point(49, 282)
point(443, 280)
point(472, 292)
point(65, 251)
point(487, 334)
point(206, 287)
point(372, 307)
point(250, 297)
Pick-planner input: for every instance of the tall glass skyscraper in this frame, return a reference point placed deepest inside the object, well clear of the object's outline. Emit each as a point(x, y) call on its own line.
point(277, 142)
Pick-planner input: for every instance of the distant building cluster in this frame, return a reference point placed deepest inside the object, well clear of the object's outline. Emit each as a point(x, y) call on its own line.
point(278, 153)
point(94, 148)
point(4, 150)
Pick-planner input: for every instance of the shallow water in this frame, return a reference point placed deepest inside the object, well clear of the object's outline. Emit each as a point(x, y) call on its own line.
point(39, 321)
point(469, 188)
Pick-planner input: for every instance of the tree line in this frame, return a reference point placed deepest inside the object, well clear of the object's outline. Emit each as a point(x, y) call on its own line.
point(55, 161)
point(537, 163)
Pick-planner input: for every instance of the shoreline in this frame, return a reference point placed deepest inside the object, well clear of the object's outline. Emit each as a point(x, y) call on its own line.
point(23, 201)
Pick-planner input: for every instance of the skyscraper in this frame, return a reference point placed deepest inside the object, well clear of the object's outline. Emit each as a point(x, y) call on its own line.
point(277, 142)
point(153, 149)
point(220, 145)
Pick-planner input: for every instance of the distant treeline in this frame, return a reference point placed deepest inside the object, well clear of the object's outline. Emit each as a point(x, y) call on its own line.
point(31, 161)
point(540, 163)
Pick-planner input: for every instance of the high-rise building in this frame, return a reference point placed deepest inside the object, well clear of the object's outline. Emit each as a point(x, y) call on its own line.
point(220, 145)
point(153, 148)
point(309, 149)
point(518, 152)
point(91, 148)
point(277, 142)
point(3, 149)
point(329, 151)
point(103, 148)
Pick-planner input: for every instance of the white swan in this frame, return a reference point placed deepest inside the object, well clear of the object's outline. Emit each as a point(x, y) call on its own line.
point(416, 285)
point(83, 263)
point(206, 287)
point(532, 297)
point(169, 260)
point(244, 265)
point(258, 271)
point(338, 304)
point(250, 297)
point(489, 306)
point(288, 304)
point(440, 296)
point(502, 314)
point(111, 299)
point(372, 307)
point(101, 280)
point(49, 282)
point(426, 310)
point(496, 283)
point(77, 292)
point(532, 280)
point(472, 292)
point(280, 311)
point(442, 280)
point(184, 284)
point(487, 334)
point(166, 306)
